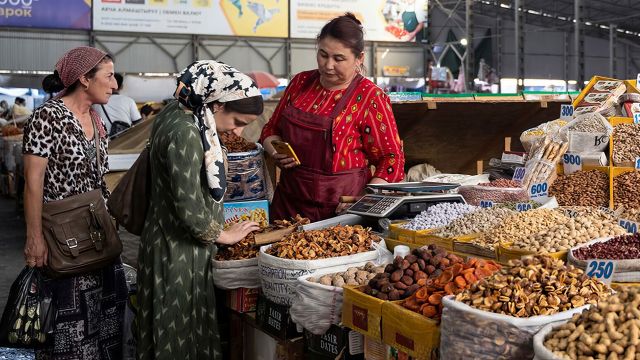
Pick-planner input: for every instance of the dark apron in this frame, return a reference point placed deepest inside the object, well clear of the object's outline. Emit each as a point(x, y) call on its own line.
point(313, 189)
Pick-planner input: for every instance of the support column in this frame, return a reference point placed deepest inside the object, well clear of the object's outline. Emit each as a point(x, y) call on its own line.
point(578, 43)
point(195, 47)
point(565, 58)
point(499, 46)
point(612, 50)
point(519, 45)
point(470, 58)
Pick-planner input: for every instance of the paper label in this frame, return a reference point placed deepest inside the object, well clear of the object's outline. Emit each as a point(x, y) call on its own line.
point(636, 118)
point(630, 226)
point(539, 192)
point(520, 207)
point(571, 163)
point(602, 270)
point(486, 203)
point(519, 173)
point(637, 163)
point(566, 111)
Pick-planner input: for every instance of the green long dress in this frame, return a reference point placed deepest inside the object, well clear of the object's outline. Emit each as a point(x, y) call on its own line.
point(176, 316)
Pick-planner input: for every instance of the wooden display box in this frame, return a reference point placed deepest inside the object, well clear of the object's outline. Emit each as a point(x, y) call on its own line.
point(630, 84)
point(362, 313)
point(274, 319)
point(468, 249)
point(334, 344)
point(410, 332)
point(243, 300)
point(428, 239)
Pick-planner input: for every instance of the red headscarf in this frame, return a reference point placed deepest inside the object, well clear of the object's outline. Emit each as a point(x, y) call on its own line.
point(77, 62)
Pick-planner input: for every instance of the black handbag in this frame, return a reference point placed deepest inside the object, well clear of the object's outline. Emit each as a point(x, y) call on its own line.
point(116, 126)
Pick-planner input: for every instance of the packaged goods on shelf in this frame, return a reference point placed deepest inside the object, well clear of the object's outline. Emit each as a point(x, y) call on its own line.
point(588, 133)
point(498, 316)
point(630, 104)
point(318, 303)
point(609, 330)
point(256, 210)
point(624, 250)
point(626, 147)
point(305, 252)
point(246, 178)
point(479, 194)
point(582, 188)
point(438, 215)
point(601, 96)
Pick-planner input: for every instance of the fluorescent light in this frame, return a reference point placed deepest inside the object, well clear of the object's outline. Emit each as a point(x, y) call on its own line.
point(464, 42)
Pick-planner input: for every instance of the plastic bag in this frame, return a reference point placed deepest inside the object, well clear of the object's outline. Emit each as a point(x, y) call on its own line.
point(475, 194)
point(466, 332)
point(529, 137)
point(27, 319)
point(279, 277)
point(234, 274)
point(246, 176)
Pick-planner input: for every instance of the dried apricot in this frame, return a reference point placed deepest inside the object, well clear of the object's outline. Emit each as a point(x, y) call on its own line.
point(428, 310)
point(435, 299)
point(450, 289)
point(460, 282)
point(470, 278)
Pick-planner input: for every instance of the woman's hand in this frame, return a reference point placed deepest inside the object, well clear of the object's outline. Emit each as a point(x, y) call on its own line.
point(36, 252)
point(284, 161)
point(342, 207)
point(237, 232)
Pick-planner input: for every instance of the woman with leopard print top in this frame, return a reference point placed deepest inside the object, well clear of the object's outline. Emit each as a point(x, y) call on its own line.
point(60, 161)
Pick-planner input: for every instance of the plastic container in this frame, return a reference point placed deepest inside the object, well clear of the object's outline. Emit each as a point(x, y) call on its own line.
point(401, 250)
point(476, 194)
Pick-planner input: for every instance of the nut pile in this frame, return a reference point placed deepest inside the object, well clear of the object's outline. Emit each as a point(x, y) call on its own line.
point(475, 194)
point(609, 331)
point(631, 215)
point(502, 183)
point(590, 123)
point(625, 190)
point(325, 243)
point(353, 276)
point(622, 247)
point(475, 222)
point(538, 285)
point(246, 249)
point(576, 231)
point(235, 143)
point(520, 226)
point(626, 147)
point(439, 215)
point(404, 276)
point(583, 188)
point(427, 300)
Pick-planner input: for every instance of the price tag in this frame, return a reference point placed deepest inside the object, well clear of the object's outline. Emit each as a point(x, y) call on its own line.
point(602, 270)
point(539, 192)
point(637, 163)
point(608, 211)
point(520, 207)
point(571, 213)
point(571, 163)
point(566, 111)
point(519, 173)
point(636, 118)
point(630, 226)
point(486, 203)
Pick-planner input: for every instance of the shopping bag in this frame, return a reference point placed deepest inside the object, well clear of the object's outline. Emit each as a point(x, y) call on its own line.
point(27, 320)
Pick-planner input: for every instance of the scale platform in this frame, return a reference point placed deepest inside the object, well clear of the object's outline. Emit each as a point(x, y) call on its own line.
point(403, 200)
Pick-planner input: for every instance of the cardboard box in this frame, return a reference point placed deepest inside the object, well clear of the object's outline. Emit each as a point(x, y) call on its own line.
point(362, 313)
point(274, 319)
point(243, 300)
point(337, 343)
point(257, 210)
point(410, 332)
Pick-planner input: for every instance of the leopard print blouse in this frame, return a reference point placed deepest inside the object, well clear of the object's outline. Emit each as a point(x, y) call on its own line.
point(53, 132)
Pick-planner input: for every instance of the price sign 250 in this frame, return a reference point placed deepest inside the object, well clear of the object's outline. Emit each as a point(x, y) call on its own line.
point(601, 270)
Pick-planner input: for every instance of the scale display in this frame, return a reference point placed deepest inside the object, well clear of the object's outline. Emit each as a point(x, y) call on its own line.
point(403, 206)
point(374, 204)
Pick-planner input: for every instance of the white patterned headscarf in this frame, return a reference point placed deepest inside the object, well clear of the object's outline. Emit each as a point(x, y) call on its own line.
point(204, 82)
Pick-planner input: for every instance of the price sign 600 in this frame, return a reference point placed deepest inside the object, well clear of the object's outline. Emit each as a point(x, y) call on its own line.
point(538, 190)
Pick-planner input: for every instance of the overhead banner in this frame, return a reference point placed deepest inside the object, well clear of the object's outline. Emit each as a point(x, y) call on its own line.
point(51, 14)
point(264, 18)
point(383, 20)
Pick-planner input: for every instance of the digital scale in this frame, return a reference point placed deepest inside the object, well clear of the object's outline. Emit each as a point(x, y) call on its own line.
point(403, 200)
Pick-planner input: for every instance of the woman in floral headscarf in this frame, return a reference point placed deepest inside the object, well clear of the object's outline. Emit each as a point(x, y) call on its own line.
point(176, 317)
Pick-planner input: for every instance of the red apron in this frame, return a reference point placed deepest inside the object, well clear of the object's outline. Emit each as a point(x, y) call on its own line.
point(313, 189)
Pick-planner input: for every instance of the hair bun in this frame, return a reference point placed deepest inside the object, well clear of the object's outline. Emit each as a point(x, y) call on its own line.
point(52, 83)
point(351, 16)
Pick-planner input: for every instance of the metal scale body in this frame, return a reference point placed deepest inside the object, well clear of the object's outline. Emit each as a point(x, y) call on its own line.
point(385, 203)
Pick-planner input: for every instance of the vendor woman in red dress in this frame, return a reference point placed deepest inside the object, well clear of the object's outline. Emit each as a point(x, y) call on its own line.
point(338, 123)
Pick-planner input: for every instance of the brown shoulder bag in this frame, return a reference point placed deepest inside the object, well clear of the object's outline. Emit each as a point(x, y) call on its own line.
point(79, 231)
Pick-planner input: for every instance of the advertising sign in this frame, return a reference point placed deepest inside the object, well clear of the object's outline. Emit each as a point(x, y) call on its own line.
point(382, 20)
point(52, 14)
point(265, 18)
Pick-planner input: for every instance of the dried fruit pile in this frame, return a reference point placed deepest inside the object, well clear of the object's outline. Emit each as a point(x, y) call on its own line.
point(325, 243)
point(428, 299)
point(246, 248)
point(538, 285)
point(353, 276)
point(235, 143)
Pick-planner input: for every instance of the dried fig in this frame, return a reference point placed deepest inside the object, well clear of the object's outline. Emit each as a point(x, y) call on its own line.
point(409, 272)
point(419, 275)
point(405, 264)
point(367, 290)
point(411, 258)
point(407, 280)
point(415, 267)
point(411, 289)
point(387, 288)
point(382, 296)
point(397, 262)
point(431, 269)
point(396, 275)
point(400, 285)
point(446, 262)
point(421, 264)
point(389, 268)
